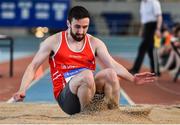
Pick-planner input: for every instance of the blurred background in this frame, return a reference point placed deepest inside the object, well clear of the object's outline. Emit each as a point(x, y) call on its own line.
point(109, 17)
point(115, 21)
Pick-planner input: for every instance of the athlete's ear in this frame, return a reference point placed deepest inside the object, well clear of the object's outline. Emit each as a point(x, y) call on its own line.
point(68, 23)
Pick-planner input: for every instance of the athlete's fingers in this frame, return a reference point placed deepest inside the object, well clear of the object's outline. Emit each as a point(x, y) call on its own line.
point(19, 97)
point(145, 74)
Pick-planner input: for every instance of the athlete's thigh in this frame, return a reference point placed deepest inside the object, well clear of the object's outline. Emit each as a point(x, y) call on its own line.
point(78, 79)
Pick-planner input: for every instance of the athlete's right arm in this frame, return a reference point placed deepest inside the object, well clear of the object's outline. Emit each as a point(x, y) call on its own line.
point(43, 53)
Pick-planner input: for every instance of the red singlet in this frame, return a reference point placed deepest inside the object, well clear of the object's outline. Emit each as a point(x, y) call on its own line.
point(66, 62)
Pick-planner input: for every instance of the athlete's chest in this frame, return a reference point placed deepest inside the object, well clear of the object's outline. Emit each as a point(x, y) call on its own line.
point(76, 46)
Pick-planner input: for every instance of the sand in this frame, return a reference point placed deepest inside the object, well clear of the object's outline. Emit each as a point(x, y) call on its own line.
point(21, 113)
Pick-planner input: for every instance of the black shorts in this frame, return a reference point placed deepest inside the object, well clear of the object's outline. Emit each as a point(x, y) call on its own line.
point(68, 101)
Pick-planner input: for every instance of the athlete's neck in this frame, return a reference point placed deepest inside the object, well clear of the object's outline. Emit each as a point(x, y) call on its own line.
point(71, 39)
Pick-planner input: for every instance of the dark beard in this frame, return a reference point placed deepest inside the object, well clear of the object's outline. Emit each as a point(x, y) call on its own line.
point(74, 36)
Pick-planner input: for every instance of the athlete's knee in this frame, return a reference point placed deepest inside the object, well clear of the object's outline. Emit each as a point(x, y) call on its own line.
point(112, 79)
point(111, 75)
point(88, 79)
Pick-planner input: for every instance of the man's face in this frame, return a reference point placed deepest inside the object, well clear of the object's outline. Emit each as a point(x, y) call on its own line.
point(78, 28)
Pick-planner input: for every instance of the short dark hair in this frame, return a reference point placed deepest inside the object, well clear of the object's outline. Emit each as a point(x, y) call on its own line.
point(78, 12)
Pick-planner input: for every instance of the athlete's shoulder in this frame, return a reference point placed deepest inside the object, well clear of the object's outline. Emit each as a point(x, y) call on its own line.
point(52, 41)
point(54, 37)
point(95, 41)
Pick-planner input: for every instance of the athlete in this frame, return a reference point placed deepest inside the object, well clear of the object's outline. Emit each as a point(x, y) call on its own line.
point(72, 57)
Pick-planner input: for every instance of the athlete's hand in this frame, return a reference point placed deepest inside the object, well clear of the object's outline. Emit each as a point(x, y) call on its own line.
point(144, 78)
point(19, 96)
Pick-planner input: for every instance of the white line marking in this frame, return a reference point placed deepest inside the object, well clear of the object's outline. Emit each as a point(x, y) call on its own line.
point(12, 100)
point(127, 97)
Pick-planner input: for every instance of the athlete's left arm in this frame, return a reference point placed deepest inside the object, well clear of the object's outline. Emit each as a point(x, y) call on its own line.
point(105, 58)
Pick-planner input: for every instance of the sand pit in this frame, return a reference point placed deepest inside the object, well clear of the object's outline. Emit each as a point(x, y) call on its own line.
point(51, 113)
